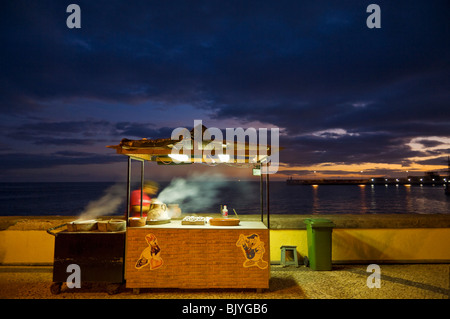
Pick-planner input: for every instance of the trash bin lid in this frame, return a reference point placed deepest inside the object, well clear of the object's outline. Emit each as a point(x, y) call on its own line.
point(319, 222)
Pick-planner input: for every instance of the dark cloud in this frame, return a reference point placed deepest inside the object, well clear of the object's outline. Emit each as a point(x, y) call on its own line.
point(14, 161)
point(217, 52)
point(305, 67)
point(139, 130)
point(436, 161)
point(70, 127)
point(61, 133)
point(363, 148)
point(64, 141)
point(429, 143)
point(84, 132)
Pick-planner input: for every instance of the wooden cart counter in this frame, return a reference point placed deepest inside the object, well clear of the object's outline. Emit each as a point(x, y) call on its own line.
point(192, 256)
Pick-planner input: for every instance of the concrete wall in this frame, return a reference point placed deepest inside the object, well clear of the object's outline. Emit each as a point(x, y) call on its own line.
point(349, 245)
point(26, 247)
point(372, 245)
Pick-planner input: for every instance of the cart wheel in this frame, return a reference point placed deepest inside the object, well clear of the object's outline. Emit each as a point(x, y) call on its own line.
point(112, 289)
point(306, 261)
point(55, 288)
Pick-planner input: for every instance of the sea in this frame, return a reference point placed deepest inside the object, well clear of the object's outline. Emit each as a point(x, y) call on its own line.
point(75, 198)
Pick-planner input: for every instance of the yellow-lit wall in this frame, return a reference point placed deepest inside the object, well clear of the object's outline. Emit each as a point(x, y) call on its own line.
point(404, 244)
point(349, 245)
point(26, 247)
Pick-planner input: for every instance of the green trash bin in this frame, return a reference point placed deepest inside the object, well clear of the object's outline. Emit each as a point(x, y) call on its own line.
point(319, 232)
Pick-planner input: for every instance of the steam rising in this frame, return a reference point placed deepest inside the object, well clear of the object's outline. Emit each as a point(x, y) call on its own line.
point(197, 192)
point(105, 205)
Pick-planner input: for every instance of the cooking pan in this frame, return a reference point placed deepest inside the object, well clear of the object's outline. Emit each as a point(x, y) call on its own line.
point(224, 222)
point(116, 225)
point(83, 225)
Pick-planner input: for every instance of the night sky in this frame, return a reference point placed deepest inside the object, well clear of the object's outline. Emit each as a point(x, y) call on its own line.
point(349, 101)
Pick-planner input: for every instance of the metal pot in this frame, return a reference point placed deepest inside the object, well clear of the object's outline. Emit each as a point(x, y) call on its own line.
point(137, 221)
point(102, 225)
point(158, 210)
point(71, 227)
point(82, 225)
point(116, 225)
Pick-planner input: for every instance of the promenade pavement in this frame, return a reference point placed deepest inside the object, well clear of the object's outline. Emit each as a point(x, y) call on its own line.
point(397, 281)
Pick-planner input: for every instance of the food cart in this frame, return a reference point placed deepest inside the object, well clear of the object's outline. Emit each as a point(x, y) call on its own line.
point(183, 254)
point(99, 253)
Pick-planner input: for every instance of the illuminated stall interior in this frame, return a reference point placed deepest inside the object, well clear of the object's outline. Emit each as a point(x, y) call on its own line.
point(192, 255)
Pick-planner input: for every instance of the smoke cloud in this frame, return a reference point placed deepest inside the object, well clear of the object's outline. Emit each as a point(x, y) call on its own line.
point(196, 193)
point(105, 205)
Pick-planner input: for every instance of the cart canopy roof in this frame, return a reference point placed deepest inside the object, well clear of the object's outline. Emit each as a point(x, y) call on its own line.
point(192, 147)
